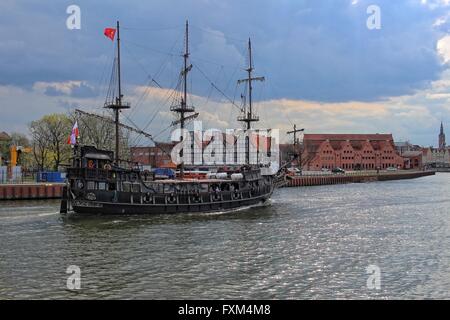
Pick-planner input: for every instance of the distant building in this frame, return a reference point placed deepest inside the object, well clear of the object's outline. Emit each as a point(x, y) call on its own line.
point(412, 159)
point(402, 147)
point(437, 157)
point(350, 152)
point(441, 138)
point(412, 154)
point(155, 156)
point(160, 154)
point(434, 157)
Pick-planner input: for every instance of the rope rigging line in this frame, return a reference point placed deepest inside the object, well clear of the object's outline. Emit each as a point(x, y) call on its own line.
point(152, 49)
point(142, 133)
point(102, 83)
point(152, 79)
point(111, 93)
point(153, 29)
point(215, 87)
point(169, 97)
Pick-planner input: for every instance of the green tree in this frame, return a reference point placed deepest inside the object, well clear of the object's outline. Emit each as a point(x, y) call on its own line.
point(49, 135)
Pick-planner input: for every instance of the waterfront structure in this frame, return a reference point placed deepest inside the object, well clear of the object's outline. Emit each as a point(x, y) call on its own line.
point(412, 154)
point(350, 152)
point(437, 157)
point(412, 159)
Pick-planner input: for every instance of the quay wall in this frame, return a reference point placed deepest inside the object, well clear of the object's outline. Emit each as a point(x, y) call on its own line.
point(303, 181)
point(31, 191)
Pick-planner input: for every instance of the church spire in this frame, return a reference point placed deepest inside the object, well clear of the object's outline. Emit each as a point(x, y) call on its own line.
point(442, 137)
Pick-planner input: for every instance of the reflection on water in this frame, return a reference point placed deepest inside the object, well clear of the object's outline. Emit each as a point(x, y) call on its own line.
point(310, 243)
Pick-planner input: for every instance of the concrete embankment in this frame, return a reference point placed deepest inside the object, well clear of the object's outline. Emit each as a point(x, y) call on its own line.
point(318, 180)
point(30, 191)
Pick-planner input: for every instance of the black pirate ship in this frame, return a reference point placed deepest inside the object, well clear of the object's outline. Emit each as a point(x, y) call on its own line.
point(98, 184)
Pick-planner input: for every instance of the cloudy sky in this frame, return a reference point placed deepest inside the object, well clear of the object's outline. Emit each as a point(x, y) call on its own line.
point(325, 69)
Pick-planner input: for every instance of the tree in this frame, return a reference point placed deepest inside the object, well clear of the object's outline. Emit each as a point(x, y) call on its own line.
point(40, 144)
point(49, 140)
point(101, 134)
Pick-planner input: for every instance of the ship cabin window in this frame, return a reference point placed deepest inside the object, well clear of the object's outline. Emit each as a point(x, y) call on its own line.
point(126, 186)
point(215, 188)
point(91, 185)
point(91, 163)
point(204, 187)
point(136, 187)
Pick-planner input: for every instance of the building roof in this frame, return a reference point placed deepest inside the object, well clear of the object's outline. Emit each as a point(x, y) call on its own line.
point(411, 154)
point(340, 137)
point(336, 145)
point(356, 144)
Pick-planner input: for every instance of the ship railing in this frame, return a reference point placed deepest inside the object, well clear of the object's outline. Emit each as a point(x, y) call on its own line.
point(91, 173)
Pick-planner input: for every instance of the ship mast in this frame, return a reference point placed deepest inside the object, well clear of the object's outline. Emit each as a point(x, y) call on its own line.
point(248, 117)
point(117, 104)
point(182, 109)
point(297, 147)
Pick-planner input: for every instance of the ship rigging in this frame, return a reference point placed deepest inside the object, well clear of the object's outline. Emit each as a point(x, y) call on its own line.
point(98, 184)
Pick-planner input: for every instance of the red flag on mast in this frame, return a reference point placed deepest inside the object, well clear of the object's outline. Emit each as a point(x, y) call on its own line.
point(110, 33)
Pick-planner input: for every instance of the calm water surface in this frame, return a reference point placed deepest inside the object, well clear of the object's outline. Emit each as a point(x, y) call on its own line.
point(311, 243)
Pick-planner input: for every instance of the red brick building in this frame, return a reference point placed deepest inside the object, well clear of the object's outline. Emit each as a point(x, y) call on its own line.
point(350, 152)
point(156, 156)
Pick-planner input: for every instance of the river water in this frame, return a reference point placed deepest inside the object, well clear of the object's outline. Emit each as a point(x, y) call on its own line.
point(310, 243)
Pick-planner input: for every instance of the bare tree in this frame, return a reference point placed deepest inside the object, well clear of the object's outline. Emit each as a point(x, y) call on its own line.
point(40, 144)
point(100, 134)
point(49, 140)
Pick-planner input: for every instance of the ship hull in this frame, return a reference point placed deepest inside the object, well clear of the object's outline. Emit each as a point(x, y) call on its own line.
point(108, 208)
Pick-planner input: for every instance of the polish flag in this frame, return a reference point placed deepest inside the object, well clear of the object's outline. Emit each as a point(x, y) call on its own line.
point(74, 135)
point(110, 33)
